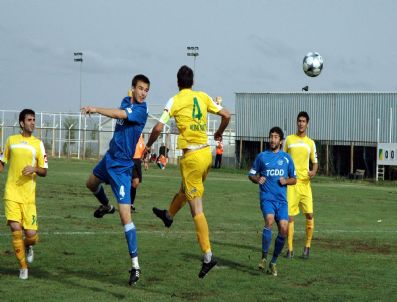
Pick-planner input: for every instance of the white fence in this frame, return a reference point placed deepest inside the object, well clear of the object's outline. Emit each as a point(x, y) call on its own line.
point(74, 135)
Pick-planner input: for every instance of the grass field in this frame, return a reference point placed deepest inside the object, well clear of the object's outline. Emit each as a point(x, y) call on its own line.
point(80, 258)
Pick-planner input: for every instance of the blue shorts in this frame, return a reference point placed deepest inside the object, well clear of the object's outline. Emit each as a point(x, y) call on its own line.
point(276, 208)
point(118, 174)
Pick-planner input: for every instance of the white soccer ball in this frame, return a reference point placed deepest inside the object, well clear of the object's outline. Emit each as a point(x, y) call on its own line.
point(312, 64)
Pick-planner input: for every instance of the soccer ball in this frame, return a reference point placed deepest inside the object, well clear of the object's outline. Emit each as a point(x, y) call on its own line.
point(312, 64)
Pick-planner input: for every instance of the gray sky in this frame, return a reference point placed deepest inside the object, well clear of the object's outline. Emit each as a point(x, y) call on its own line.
point(245, 46)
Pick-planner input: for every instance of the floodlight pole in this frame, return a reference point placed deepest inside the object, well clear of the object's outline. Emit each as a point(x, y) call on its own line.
point(78, 57)
point(193, 51)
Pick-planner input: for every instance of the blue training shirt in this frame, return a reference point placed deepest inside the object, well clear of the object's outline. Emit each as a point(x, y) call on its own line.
point(127, 131)
point(273, 166)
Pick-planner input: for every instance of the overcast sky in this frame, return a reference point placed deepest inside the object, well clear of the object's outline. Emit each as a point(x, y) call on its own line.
point(245, 46)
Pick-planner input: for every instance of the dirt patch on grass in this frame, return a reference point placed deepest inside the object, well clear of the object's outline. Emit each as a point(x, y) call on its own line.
point(361, 246)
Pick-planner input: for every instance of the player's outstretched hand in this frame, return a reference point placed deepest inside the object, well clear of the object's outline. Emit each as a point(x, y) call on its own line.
point(88, 110)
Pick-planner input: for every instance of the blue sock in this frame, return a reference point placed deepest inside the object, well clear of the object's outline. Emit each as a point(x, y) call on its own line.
point(266, 240)
point(130, 235)
point(278, 247)
point(101, 196)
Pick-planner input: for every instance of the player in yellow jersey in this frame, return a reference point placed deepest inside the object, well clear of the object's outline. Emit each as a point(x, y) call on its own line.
point(302, 150)
point(26, 157)
point(189, 108)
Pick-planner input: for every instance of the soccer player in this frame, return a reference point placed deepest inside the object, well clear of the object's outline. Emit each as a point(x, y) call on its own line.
point(273, 170)
point(302, 149)
point(116, 166)
point(27, 158)
point(189, 108)
point(137, 169)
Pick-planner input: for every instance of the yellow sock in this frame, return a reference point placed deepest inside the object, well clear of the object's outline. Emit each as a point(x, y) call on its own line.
point(177, 203)
point(19, 248)
point(290, 236)
point(202, 232)
point(31, 240)
point(309, 231)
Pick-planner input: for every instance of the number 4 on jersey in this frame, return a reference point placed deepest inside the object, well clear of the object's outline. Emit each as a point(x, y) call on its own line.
point(196, 106)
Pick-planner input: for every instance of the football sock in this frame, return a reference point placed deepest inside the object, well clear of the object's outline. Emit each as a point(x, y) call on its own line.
point(31, 240)
point(207, 257)
point(290, 235)
point(278, 247)
point(133, 194)
point(202, 232)
point(266, 240)
point(177, 203)
point(130, 235)
point(309, 231)
point(135, 263)
point(101, 196)
point(19, 248)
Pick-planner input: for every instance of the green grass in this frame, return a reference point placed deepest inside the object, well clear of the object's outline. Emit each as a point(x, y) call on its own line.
point(80, 258)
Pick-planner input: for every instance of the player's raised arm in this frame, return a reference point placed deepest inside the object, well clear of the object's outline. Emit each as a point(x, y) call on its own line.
point(109, 112)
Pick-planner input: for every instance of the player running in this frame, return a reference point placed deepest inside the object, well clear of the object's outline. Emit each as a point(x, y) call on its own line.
point(26, 157)
point(116, 166)
point(189, 108)
point(273, 170)
point(302, 149)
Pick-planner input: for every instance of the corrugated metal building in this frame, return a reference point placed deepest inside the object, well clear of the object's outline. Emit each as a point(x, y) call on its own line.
point(348, 119)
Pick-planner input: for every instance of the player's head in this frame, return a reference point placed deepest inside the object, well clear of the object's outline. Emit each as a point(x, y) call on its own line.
point(185, 77)
point(302, 122)
point(27, 120)
point(140, 85)
point(276, 137)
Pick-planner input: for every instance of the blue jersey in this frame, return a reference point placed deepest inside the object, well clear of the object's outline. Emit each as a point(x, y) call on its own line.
point(273, 166)
point(127, 131)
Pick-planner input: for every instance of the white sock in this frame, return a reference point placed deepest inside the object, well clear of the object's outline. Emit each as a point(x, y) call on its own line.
point(207, 257)
point(135, 263)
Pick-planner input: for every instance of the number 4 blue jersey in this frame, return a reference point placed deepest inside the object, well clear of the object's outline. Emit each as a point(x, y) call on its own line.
point(127, 131)
point(273, 166)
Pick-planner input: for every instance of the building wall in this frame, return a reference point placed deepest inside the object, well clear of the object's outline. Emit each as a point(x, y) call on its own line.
point(334, 116)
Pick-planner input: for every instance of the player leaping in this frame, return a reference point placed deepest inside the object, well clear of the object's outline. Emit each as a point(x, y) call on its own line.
point(116, 166)
point(189, 108)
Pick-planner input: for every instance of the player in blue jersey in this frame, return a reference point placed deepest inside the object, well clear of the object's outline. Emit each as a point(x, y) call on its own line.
point(116, 166)
point(273, 170)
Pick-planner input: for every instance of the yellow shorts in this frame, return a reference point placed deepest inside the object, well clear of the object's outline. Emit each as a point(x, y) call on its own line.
point(299, 195)
point(23, 213)
point(194, 167)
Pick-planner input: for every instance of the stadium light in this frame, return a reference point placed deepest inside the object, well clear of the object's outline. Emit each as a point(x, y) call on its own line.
point(193, 51)
point(78, 57)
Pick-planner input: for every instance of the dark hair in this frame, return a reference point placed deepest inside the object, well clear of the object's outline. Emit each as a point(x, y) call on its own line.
point(24, 113)
point(303, 114)
point(140, 77)
point(278, 131)
point(185, 77)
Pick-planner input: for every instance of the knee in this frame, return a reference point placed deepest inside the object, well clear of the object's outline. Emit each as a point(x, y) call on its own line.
point(31, 238)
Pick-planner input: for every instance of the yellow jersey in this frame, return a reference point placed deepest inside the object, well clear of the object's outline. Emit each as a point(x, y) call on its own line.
point(20, 152)
point(301, 149)
point(189, 108)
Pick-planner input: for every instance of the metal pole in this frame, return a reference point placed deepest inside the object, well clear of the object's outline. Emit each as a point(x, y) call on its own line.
point(377, 152)
point(79, 138)
point(60, 135)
